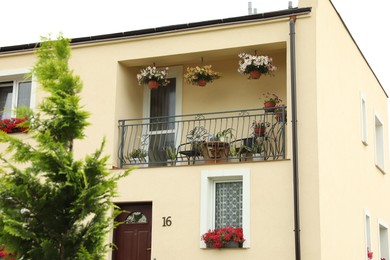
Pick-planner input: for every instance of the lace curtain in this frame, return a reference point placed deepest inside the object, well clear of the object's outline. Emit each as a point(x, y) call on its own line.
point(228, 204)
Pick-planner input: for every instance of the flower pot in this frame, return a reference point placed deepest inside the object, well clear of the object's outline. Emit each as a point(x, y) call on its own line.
point(269, 106)
point(202, 82)
point(171, 162)
point(153, 84)
point(260, 131)
point(232, 244)
point(255, 74)
point(279, 117)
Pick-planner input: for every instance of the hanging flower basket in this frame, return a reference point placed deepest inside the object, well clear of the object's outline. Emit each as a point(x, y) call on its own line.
point(153, 77)
point(255, 65)
point(153, 84)
point(200, 76)
point(255, 74)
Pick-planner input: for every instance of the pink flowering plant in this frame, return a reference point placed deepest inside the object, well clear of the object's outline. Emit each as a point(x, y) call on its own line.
point(13, 125)
point(152, 73)
point(250, 63)
point(219, 237)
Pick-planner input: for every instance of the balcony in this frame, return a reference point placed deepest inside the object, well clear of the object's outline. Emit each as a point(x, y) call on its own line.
point(208, 138)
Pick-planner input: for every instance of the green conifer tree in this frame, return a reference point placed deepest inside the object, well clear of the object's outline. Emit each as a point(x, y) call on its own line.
point(53, 206)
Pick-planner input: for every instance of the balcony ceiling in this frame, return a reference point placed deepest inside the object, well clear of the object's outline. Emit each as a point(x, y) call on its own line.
point(208, 56)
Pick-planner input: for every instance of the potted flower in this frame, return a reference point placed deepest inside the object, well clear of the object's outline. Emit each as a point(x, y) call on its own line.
point(255, 65)
point(13, 125)
point(153, 77)
point(201, 75)
point(225, 135)
point(370, 254)
point(281, 113)
point(225, 237)
point(171, 155)
point(270, 101)
point(4, 254)
point(138, 155)
point(259, 128)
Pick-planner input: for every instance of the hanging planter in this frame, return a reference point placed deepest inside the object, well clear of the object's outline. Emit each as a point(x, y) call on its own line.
point(153, 84)
point(255, 65)
point(202, 82)
point(200, 76)
point(153, 77)
point(255, 74)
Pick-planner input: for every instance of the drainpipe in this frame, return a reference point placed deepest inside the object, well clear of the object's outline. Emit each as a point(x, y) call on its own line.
point(297, 227)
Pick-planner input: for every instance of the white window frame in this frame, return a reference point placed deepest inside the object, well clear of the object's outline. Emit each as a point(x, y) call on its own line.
point(383, 241)
point(379, 143)
point(367, 231)
point(363, 119)
point(208, 180)
point(18, 76)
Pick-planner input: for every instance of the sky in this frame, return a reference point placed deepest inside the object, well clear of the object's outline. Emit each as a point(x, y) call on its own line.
point(25, 21)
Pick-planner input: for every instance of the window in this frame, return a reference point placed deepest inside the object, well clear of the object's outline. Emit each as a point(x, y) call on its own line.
point(15, 92)
point(383, 241)
point(363, 120)
point(379, 144)
point(367, 222)
point(225, 201)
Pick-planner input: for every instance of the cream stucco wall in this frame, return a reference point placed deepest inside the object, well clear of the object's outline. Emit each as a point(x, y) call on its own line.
point(349, 181)
point(175, 192)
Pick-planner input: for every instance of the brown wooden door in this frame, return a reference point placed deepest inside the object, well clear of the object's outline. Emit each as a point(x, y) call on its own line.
point(133, 237)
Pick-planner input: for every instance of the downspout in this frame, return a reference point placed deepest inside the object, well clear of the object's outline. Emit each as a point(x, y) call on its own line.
point(297, 227)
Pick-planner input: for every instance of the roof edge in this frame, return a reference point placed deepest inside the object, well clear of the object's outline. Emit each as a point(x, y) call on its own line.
point(167, 29)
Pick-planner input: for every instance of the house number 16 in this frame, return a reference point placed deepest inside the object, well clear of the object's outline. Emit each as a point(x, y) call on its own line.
point(167, 222)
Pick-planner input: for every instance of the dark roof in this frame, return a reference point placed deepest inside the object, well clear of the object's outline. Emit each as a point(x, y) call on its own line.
point(170, 28)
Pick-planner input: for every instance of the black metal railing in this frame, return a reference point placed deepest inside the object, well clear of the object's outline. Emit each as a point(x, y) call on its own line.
point(252, 134)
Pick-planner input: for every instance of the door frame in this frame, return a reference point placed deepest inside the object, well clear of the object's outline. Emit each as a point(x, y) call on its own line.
point(124, 205)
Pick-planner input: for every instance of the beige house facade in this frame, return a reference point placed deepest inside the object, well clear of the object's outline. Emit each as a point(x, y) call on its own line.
point(314, 186)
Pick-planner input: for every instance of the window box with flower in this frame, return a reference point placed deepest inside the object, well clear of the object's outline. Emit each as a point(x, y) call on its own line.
point(201, 75)
point(13, 125)
point(153, 77)
point(224, 237)
point(255, 65)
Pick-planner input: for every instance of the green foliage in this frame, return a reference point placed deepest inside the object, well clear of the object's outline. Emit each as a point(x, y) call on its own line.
point(53, 206)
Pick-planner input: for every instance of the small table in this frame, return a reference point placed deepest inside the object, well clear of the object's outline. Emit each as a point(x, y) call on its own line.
point(215, 150)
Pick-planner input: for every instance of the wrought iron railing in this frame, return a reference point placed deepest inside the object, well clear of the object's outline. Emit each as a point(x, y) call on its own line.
point(203, 138)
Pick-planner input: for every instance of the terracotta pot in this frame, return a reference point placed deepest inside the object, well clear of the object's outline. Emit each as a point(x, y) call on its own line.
point(279, 116)
point(153, 84)
point(259, 131)
point(202, 82)
point(255, 74)
point(269, 106)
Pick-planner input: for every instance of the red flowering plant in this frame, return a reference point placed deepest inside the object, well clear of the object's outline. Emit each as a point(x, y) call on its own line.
point(4, 254)
point(370, 254)
point(13, 125)
point(219, 237)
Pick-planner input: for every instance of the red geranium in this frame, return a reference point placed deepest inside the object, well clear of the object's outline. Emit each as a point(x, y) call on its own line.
point(12, 125)
point(218, 237)
point(3, 253)
point(370, 254)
